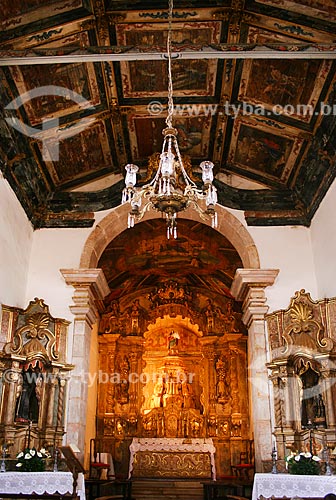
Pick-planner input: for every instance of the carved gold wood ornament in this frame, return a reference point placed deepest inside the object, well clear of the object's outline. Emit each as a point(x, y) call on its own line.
point(35, 337)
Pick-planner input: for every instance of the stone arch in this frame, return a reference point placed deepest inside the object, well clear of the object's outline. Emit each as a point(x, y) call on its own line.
point(115, 222)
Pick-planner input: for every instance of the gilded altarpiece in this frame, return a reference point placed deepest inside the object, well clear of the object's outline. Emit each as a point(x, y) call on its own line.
point(175, 368)
point(34, 376)
point(303, 373)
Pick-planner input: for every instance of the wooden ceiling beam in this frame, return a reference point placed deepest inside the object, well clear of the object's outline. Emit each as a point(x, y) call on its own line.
point(117, 54)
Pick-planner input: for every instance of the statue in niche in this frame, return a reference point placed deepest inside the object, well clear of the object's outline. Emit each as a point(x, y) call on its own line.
point(29, 395)
point(230, 318)
point(209, 312)
point(187, 394)
point(135, 312)
point(173, 340)
point(222, 376)
point(312, 406)
point(156, 401)
point(123, 387)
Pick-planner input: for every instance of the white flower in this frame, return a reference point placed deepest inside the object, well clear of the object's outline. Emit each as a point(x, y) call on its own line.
point(43, 450)
point(316, 459)
point(20, 454)
point(20, 464)
point(32, 452)
point(307, 454)
point(27, 456)
point(39, 454)
point(297, 458)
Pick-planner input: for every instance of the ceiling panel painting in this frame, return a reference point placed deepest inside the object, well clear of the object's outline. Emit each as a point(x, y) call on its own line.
point(324, 9)
point(79, 78)
point(293, 87)
point(14, 13)
point(80, 154)
point(149, 78)
point(193, 135)
point(262, 151)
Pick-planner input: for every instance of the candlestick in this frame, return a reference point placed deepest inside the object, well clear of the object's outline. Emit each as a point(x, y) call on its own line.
point(55, 469)
point(3, 463)
point(274, 459)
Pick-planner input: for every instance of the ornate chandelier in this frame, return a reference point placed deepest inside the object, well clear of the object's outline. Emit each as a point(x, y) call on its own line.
point(171, 190)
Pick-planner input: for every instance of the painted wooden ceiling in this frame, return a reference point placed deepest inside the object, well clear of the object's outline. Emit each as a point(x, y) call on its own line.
point(273, 158)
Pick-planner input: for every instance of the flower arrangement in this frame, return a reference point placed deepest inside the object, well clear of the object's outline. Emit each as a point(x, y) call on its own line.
point(303, 463)
point(32, 460)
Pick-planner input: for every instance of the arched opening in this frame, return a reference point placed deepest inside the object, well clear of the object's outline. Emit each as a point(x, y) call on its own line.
point(190, 385)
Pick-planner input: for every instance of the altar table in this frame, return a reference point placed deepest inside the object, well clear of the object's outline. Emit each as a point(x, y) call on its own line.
point(41, 482)
point(291, 485)
point(172, 458)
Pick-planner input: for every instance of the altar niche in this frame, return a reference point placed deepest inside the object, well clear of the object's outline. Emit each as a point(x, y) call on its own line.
point(185, 377)
point(302, 340)
point(34, 377)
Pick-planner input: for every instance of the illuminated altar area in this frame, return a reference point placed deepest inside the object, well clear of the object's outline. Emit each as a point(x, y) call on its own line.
point(174, 379)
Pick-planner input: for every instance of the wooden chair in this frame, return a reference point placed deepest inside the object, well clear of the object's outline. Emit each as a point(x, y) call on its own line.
point(97, 466)
point(245, 467)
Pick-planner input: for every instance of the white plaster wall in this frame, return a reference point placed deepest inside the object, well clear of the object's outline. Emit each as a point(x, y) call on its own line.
point(16, 238)
point(323, 236)
point(52, 250)
point(287, 248)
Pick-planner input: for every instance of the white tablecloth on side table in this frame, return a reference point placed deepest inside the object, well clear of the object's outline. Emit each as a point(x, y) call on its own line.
point(41, 482)
point(292, 485)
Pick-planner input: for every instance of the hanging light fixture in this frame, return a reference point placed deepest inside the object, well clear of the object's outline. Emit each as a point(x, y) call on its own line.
point(171, 190)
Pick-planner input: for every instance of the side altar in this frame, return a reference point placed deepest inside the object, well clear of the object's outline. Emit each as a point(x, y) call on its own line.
point(172, 458)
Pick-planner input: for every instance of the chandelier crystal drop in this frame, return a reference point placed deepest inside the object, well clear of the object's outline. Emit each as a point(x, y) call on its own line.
point(171, 190)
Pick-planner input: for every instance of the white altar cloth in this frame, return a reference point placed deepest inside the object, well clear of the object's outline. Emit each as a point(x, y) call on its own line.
point(174, 445)
point(292, 485)
point(41, 482)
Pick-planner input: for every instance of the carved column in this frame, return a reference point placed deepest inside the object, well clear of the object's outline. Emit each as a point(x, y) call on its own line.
point(12, 376)
point(50, 410)
point(249, 286)
point(90, 286)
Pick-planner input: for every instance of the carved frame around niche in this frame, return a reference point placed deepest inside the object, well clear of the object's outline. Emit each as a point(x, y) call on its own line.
point(302, 340)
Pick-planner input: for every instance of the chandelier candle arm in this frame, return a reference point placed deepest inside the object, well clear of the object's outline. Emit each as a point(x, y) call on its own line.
point(171, 190)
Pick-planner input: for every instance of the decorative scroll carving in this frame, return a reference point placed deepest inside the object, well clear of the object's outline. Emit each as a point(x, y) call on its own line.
point(37, 336)
point(300, 327)
point(170, 292)
point(131, 321)
point(163, 464)
point(172, 458)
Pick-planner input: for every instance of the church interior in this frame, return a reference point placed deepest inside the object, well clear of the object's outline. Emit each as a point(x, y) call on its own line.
point(161, 346)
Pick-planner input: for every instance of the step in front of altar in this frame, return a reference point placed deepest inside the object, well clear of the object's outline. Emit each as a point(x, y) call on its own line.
point(168, 490)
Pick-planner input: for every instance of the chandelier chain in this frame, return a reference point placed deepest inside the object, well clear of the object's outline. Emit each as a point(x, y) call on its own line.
point(171, 190)
point(169, 119)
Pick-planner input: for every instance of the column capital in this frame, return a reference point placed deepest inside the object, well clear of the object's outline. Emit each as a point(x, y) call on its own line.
point(90, 286)
point(245, 279)
point(93, 278)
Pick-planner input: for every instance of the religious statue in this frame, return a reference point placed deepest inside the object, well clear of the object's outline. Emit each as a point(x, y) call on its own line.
point(187, 394)
point(209, 313)
point(222, 384)
point(123, 387)
point(312, 406)
point(156, 401)
point(29, 394)
point(173, 339)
